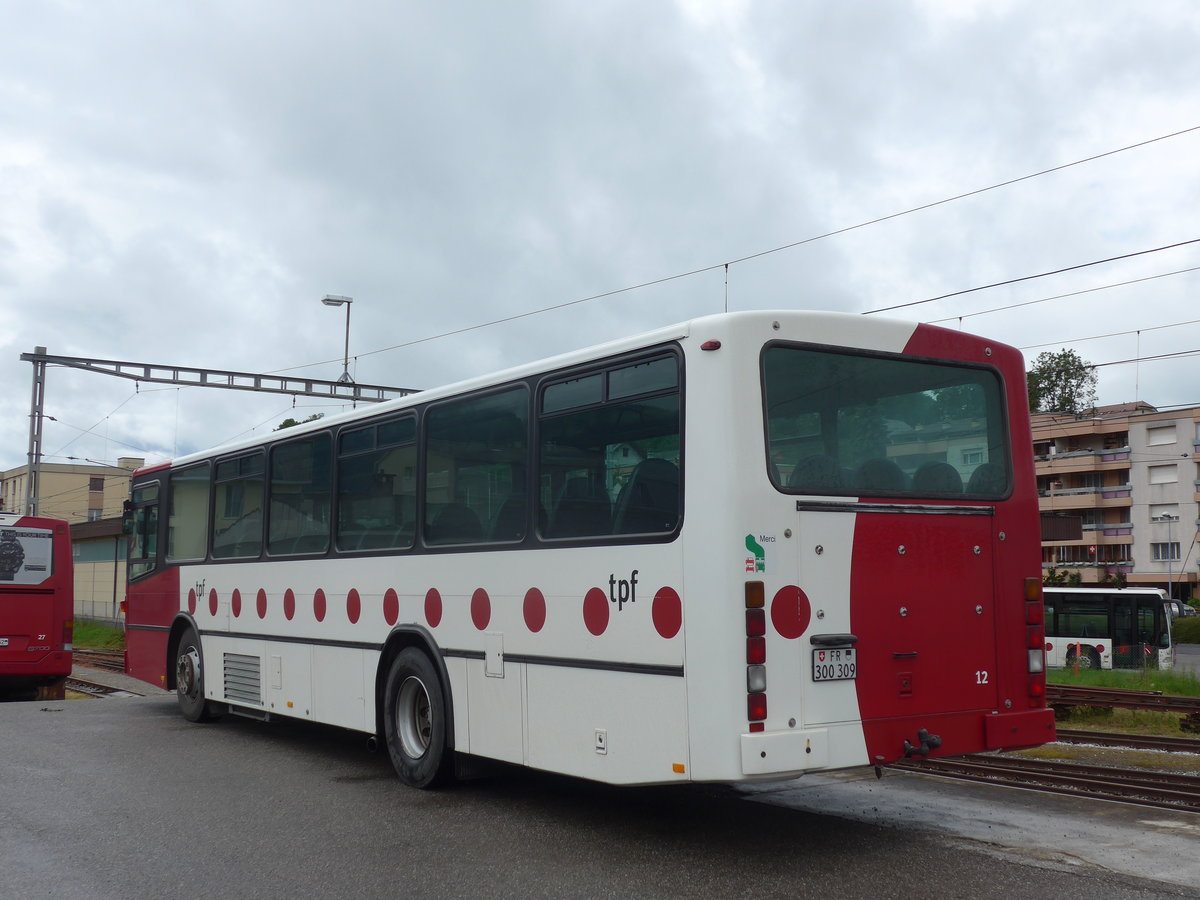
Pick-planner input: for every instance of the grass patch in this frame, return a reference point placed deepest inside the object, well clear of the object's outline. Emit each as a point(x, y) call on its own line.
point(1169, 681)
point(98, 636)
point(1123, 721)
point(1186, 631)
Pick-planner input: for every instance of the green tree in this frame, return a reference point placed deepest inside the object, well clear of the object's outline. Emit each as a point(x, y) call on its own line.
point(1062, 382)
point(290, 422)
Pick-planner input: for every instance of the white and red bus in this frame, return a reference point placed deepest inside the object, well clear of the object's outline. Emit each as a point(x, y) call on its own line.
point(744, 547)
point(1102, 627)
point(36, 606)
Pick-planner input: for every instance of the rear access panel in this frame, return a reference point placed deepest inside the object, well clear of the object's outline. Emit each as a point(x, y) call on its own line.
point(922, 609)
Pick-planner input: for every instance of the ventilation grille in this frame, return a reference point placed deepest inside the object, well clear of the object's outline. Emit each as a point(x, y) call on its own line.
point(243, 678)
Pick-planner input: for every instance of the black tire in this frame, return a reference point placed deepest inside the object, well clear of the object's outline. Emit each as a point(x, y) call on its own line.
point(415, 722)
point(189, 679)
point(1087, 659)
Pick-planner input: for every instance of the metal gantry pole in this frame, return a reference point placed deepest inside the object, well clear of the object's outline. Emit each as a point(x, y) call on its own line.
point(36, 407)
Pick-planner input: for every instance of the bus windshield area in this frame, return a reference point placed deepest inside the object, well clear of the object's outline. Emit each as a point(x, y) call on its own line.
point(852, 424)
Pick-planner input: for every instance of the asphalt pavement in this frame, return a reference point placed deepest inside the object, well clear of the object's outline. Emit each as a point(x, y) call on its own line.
point(123, 798)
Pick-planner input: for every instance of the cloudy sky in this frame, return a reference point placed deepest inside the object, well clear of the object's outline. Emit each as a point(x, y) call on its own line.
point(182, 183)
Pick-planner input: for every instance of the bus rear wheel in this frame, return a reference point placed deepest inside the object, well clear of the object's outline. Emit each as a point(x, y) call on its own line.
point(1088, 659)
point(189, 679)
point(414, 720)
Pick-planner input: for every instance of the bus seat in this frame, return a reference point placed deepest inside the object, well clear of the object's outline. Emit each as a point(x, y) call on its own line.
point(509, 521)
point(455, 523)
point(988, 479)
point(937, 478)
point(581, 509)
point(880, 475)
point(649, 501)
point(817, 473)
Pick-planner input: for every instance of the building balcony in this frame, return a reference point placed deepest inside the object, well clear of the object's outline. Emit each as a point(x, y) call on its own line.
point(1082, 461)
point(1059, 499)
point(1110, 529)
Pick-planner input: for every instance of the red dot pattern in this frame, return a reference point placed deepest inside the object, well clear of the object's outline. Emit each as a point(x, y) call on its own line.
point(595, 611)
point(481, 609)
point(789, 609)
point(667, 612)
point(433, 608)
point(790, 612)
point(534, 610)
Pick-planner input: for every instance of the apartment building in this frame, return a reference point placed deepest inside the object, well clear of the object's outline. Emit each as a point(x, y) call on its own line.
point(1131, 473)
point(76, 492)
point(91, 498)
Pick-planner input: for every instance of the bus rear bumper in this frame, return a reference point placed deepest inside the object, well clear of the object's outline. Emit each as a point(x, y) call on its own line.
point(771, 752)
point(1010, 731)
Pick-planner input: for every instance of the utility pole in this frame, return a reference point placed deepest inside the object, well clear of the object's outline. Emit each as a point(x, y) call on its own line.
point(181, 375)
point(36, 408)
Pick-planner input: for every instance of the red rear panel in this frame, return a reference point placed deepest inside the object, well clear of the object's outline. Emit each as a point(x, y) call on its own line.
point(921, 604)
point(36, 597)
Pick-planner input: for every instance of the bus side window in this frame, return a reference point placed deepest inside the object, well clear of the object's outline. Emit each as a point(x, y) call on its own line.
point(608, 461)
point(476, 457)
point(143, 537)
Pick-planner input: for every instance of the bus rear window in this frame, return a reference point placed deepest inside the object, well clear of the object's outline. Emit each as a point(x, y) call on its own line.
point(856, 425)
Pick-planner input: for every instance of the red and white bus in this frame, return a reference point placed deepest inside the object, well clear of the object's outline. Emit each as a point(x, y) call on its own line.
point(744, 547)
point(1101, 627)
point(36, 606)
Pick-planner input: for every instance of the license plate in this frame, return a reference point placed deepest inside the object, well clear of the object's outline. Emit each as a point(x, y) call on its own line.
point(834, 664)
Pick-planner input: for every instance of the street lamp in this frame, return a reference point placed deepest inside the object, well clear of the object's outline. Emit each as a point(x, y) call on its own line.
point(338, 300)
point(1168, 518)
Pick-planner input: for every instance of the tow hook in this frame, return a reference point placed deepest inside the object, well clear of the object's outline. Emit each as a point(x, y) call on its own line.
point(928, 742)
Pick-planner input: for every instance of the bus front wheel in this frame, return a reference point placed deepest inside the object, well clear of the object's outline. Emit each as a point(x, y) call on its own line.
point(414, 720)
point(189, 679)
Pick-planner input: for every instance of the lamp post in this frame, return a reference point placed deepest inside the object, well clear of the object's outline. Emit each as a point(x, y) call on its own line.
point(338, 300)
point(1168, 518)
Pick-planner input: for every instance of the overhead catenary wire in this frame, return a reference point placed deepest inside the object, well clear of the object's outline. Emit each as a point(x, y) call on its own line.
point(757, 255)
point(1103, 287)
point(1099, 337)
point(984, 287)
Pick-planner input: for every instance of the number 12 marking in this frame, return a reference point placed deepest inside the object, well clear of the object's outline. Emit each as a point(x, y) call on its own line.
point(981, 677)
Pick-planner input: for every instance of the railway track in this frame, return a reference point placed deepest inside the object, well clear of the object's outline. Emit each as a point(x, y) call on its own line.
point(96, 689)
point(1070, 695)
point(111, 660)
point(1156, 789)
point(1131, 741)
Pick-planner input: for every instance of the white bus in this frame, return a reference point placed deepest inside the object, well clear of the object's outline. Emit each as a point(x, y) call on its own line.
point(744, 547)
point(1108, 628)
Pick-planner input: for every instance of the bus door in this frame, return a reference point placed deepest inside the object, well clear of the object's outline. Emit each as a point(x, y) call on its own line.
point(922, 610)
point(30, 626)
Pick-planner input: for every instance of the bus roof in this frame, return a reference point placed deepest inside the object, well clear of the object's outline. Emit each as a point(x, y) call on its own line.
point(832, 328)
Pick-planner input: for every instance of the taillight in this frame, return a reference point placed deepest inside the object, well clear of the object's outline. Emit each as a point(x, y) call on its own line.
point(68, 634)
point(1035, 640)
point(756, 651)
point(756, 655)
point(756, 707)
point(756, 623)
